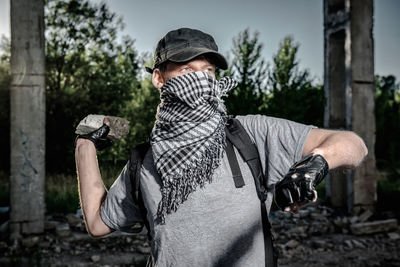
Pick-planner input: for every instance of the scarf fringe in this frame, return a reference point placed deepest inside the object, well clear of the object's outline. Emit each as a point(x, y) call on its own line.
point(177, 188)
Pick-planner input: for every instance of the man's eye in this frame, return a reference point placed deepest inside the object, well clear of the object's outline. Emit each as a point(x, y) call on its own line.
point(185, 69)
point(211, 70)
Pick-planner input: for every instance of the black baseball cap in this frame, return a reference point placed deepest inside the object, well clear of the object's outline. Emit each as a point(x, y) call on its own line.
point(184, 44)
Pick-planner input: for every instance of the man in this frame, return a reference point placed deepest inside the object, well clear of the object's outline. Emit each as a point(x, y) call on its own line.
point(196, 214)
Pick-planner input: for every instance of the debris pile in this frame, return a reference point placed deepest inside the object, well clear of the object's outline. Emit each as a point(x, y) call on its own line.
point(319, 236)
point(316, 236)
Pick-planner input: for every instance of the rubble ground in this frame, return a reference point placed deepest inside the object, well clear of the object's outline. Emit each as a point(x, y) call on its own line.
point(316, 236)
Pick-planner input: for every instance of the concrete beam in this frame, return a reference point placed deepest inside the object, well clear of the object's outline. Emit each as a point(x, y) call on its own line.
point(27, 118)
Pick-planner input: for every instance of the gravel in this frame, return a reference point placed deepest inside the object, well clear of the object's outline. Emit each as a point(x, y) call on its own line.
point(316, 236)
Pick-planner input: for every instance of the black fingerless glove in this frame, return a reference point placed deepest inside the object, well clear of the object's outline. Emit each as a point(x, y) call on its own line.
point(98, 137)
point(299, 183)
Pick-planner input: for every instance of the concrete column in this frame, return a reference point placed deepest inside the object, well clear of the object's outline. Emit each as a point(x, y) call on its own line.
point(27, 117)
point(363, 102)
point(349, 90)
point(336, 26)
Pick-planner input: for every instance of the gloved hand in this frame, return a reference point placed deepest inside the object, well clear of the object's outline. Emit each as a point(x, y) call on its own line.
point(298, 185)
point(98, 137)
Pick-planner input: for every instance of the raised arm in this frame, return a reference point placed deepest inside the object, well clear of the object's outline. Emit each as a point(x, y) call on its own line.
point(339, 148)
point(323, 149)
point(92, 191)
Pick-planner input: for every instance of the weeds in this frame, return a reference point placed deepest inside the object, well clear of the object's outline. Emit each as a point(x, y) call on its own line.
point(61, 194)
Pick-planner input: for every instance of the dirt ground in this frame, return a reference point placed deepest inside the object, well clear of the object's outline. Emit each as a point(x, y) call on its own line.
point(314, 237)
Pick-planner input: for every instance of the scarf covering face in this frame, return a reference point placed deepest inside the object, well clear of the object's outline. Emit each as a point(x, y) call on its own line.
point(188, 139)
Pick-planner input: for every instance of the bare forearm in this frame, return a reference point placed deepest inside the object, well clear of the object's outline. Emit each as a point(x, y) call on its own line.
point(340, 148)
point(91, 188)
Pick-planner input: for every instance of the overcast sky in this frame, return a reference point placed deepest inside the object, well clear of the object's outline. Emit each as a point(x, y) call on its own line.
point(148, 20)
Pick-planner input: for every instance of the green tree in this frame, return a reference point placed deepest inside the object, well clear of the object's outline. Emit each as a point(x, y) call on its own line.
point(250, 70)
point(5, 82)
point(87, 72)
point(387, 115)
point(142, 110)
point(291, 94)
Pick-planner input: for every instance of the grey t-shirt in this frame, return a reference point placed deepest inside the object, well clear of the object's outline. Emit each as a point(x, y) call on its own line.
point(219, 224)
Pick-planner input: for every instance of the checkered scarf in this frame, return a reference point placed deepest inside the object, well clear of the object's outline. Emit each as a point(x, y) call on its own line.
point(188, 139)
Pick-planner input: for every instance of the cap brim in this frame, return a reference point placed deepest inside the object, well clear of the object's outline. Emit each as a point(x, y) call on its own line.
point(193, 52)
point(149, 70)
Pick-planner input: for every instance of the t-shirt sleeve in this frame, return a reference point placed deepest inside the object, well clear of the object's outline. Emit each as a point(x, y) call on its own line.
point(279, 142)
point(118, 210)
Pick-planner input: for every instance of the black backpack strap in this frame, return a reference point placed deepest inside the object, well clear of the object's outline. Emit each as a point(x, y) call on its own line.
point(135, 164)
point(233, 163)
point(237, 135)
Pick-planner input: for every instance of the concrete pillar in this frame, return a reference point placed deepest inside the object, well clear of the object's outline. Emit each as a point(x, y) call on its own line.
point(363, 102)
point(349, 91)
point(27, 117)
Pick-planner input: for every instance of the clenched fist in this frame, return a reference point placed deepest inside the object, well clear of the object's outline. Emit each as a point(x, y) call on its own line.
point(298, 185)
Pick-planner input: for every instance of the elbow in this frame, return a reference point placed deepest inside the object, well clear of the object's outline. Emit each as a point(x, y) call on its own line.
point(95, 231)
point(95, 234)
point(97, 228)
point(363, 149)
point(362, 152)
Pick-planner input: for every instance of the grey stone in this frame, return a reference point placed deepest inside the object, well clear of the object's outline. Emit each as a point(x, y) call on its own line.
point(318, 228)
point(79, 213)
point(292, 244)
point(49, 238)
point(73, 220)
point(358, 244)
point(138, 259)
point(144, 249)
point(95, 258)
point(338, 222)
point(57, 249)
point(279, 214)
point(65, 245)
point(317, 216)
point(374, 227)
point(325, 212)
point(393, 235)
point(365, 215)
point(304, 213)
point(311, 208)
point(30, 241)
point(287, 214)
point(298, 230)
point(119, 127)
point(51, 225)
point(76, 236)
point(78, 252)
point(320, 243)
point(348, 244)
point(353, 219)
point(63, 230)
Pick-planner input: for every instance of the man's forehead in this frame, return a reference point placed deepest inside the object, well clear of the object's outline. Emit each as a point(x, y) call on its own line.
point(199, 59)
